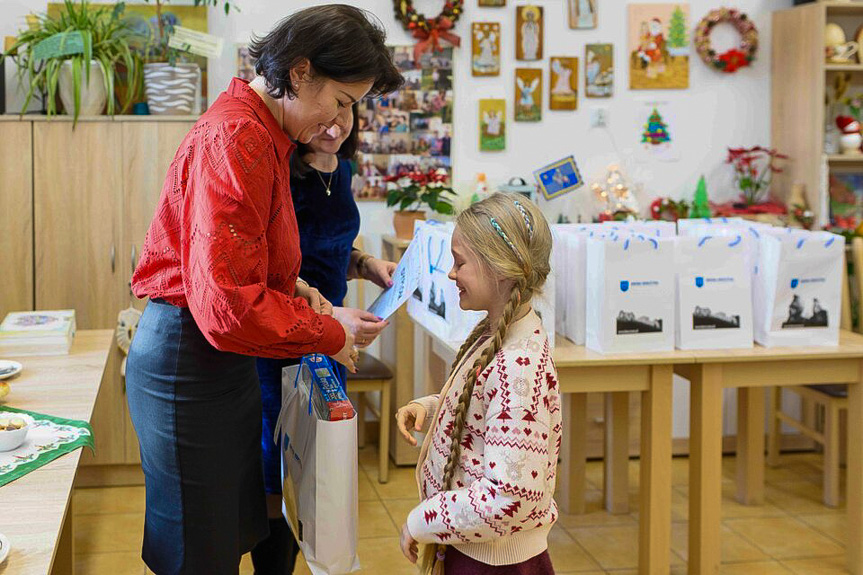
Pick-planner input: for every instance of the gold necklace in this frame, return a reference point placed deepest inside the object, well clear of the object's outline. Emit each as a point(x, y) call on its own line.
point(325, 183)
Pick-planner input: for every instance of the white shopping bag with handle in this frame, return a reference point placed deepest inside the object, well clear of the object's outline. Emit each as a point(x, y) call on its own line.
point(319, 477)
point(798, 292)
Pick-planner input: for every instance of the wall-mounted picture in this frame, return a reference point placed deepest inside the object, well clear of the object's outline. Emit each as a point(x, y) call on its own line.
point(491, 3)
point(528, 33)
point(658, 46)
point(558, 178)
point(582, 14)
point(492, 125)
point(528, 89)
point(563, 80)
point(485, 49)
point(408, 130)
point(658, 132)
point(599, 70)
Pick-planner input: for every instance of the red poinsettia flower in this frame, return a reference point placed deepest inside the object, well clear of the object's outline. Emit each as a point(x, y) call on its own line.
point(733, 60)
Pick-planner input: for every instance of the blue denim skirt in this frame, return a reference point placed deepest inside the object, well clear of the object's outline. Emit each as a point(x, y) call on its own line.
point(197, 413)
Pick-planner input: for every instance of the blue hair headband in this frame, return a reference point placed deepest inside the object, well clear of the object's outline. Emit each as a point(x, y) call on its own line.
point(524, 215)
point(503, 235)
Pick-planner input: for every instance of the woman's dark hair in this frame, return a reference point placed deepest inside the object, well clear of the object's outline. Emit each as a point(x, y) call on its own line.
point(347, 151)
point(341, 42)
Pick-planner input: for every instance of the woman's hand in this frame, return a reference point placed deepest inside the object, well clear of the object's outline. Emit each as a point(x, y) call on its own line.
point(364, 326)
point(411, 416)
point(348, 356)
point(409, 545)
point(379, 272)
point(317, 302)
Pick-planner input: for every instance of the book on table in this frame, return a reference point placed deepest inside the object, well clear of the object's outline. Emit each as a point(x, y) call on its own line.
point(37, 332)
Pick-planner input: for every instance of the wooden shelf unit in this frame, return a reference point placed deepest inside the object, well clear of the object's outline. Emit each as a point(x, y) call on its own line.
point(799, 80)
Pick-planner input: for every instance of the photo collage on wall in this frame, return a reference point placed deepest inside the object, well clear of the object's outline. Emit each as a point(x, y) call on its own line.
point(408, 130)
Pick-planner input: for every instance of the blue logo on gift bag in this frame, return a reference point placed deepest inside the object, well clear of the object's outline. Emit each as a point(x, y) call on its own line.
point(699, 282)
point(624, 286)
point(794, 283)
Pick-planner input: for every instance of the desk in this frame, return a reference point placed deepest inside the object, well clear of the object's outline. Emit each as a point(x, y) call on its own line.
point(581, 371)
point(36, 509)
point(749, 371)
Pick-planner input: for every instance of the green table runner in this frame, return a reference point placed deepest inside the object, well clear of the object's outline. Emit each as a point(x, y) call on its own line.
point(49, 438)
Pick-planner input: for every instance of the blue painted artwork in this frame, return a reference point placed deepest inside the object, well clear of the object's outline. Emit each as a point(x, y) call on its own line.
point(559, 178)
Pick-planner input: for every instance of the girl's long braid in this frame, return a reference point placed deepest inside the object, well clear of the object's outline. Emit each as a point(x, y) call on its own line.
point(433, 554)
point(477, 332)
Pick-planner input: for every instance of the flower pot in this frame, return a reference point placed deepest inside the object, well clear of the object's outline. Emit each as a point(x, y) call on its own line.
point(403, 222)
point(93, 95)
point(171, 90)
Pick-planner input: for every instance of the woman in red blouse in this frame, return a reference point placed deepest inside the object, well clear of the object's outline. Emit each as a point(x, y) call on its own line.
point(220, 264)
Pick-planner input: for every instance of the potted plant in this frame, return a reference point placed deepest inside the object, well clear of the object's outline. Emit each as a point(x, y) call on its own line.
point(171, 81)
point(411, 191)
point(81, 54)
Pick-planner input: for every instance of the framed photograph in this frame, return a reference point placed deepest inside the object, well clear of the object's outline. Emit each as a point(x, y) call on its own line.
point(485, 49)
point(528, 33)
point(582, 14)
point(599, 70)
point(491, 3)
point(492, 125)
point(528, 89)
point(563, 81)
point(658, 46)
point(408, 130)
point(558, 178)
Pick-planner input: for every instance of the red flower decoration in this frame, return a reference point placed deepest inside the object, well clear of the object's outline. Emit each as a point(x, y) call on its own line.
point(733, 59)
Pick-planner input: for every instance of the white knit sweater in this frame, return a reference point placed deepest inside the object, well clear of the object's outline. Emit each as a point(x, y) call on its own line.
point(500, 507)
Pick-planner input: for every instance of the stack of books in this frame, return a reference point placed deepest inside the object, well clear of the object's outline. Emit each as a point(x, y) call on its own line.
point(37, 333)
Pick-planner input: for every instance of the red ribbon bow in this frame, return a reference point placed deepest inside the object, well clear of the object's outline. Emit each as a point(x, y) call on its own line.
point(438, 28)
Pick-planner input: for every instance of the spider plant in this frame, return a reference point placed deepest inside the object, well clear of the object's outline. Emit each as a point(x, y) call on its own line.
point(158, 50)
point(105, 38)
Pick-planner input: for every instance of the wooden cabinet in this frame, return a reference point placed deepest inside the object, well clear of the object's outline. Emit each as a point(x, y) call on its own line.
point(82, 199)
point(16, 205)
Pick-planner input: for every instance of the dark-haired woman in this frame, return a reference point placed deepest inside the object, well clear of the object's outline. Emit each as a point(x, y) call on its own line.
point(329, 221)
point(220, 266)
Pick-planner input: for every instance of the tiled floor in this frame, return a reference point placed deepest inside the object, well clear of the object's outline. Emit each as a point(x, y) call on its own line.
point(792, 533)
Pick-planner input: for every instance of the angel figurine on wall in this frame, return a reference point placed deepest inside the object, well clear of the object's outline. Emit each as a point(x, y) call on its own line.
point(485, 59)
point(529, 33)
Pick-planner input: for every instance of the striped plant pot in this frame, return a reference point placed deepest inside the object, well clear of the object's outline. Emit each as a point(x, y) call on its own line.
point(171, 90)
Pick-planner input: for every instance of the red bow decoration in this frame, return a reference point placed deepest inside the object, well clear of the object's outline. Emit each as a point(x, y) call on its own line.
point(438, 28)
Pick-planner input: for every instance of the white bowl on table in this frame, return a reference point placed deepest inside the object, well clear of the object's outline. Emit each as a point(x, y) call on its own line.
point(10, 440)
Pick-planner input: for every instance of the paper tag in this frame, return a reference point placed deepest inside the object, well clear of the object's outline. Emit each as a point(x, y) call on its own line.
point(194, 42)
point(60, 44)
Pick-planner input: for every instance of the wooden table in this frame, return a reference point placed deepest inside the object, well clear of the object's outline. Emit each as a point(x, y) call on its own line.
point(749, 371)
point(35, 510)
point(581, 371)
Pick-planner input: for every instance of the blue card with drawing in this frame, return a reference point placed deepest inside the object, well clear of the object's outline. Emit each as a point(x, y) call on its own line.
point(559, 178)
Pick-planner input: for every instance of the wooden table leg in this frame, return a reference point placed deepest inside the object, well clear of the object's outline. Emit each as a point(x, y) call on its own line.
point(750, 445)
point(571, 472)
point(384, 441)
point(616, 460)
point(64, 556)
point(654, 539)
point(774, 435)
point(705, 469)
point(855, 476)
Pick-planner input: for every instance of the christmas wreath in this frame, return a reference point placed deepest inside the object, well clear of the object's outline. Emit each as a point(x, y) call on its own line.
point(735, 58)
point(429, 31)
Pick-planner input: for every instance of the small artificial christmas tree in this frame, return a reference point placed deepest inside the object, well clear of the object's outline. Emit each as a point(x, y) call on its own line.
point(677, 29)
point(700, 204)
point(656, 131)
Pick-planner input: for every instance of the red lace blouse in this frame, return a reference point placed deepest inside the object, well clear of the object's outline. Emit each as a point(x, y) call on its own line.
point(224, 239)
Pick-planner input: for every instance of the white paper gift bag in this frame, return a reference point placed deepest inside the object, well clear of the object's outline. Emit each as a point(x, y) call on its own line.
point(652, 228)
point(799, 289)
point(319, 478)
point(630, 294)
point(570, 281)
point(714, 305)
point(684, 224)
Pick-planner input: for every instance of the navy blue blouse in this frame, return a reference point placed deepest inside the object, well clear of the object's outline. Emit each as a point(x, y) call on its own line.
point(328, 227)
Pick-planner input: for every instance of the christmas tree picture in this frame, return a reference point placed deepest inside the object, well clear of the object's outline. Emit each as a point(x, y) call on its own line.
point(677, 29)
point(656, 131)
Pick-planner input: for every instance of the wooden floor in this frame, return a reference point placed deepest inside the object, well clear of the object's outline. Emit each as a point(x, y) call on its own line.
point(792, 533)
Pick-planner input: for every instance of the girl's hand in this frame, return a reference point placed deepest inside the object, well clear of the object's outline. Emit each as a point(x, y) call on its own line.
point(411, 416)
point(379, 272)
point(348, 356)
point(409, 545)
point(364, 326)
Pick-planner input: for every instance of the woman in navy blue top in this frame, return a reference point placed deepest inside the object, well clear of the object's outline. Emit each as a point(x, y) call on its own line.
point(329, 222)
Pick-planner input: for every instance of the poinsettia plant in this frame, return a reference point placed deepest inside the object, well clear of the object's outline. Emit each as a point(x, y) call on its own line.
point(754, 169)
point(412, 190)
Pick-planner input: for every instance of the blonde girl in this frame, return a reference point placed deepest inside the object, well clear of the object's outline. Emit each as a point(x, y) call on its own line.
point(486, 471)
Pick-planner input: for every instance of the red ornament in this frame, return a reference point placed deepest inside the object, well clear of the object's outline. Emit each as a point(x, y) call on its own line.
point(733, 60)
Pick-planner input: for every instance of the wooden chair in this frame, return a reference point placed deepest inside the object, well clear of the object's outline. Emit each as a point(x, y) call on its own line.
point(830, 398)
point(373, 375)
